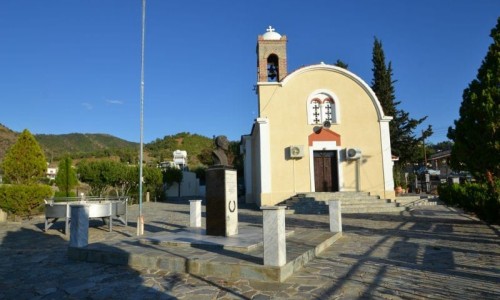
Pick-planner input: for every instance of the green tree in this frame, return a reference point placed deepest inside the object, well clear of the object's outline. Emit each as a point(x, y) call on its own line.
point(66, 176)
point(476, 134)
point(128, 181)
point(100, 175)
point(235, 158)
point(201, 172)
point(404, 142)
point(382, 83)
point(24, 162)
point(153, 181)
point(205, 156)
point(171, 175)
point(341, 64)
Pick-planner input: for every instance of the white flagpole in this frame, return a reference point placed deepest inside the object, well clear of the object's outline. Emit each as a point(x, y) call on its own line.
point(140, 219)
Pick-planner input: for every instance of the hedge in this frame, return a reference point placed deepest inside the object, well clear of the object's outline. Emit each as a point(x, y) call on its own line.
point(472, 197)
point(22, 200)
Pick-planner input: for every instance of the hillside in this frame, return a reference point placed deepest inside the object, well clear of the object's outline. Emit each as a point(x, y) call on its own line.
point(7, 139)
point(82, 144)
point(78, 145)
point(196, 145)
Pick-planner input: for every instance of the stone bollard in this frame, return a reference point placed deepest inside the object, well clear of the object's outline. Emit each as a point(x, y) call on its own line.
point(194, 213)
point(274, 235)
point(147, 196)
point(79, 230)
point(335, 215)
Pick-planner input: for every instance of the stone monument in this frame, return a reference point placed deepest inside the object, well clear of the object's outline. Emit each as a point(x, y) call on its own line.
point(221, 193)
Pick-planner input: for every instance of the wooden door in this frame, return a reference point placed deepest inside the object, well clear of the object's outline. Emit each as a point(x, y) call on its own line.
point(326, 171)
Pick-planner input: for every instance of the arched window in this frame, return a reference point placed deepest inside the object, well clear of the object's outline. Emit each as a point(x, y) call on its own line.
point(320, 108)
point(272, 68)
point(314, 109)
point(328, 110)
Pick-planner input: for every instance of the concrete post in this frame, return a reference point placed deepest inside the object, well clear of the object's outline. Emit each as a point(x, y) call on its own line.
point(334, 208)
point(274, 235)
point(427, 183)
point(194, 213)
point(79, 230)
point(3, 216)
point(147, 196)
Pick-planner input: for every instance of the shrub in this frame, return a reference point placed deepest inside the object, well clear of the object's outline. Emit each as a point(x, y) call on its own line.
point(472, 197)
point(64, 194)
point(23, 200)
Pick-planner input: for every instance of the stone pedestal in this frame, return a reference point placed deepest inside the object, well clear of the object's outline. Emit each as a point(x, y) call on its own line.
point(274, 235)
point(222, 202)
point(334, 208)
point(79, 230)
point(194, 213)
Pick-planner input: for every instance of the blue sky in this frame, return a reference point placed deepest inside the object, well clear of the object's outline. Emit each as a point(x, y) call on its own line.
point(74, 66)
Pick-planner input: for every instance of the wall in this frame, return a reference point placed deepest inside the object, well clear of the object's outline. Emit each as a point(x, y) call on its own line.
point(190, 186)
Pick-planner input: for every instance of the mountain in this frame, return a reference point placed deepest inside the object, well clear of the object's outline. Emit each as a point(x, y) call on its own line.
point(84, 145)
point(78, 145)
point(7, 139)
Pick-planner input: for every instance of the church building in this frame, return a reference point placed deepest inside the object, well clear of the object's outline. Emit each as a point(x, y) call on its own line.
point(319, 128)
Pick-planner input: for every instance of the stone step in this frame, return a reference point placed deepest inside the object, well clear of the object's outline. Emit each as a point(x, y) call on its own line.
point(420, 202)
point(378, 203)
point(352, 202)
point(405, 199)
point(366, 201)
point(372, 210)
point(414, 200)
point(336, 196)
point(208, 260)
point(345, 199)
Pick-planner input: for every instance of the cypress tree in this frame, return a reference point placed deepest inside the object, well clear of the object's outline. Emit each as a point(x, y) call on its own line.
point(404, 142)
point(66, 176)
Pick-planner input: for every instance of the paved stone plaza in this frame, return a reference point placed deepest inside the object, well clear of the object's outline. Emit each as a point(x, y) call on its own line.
point(432, 252)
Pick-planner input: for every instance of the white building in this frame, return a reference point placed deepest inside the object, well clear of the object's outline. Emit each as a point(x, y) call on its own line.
point(180, 159)
point(51, 173)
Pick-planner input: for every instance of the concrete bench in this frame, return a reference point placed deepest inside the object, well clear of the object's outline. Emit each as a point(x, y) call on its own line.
point(104, 208)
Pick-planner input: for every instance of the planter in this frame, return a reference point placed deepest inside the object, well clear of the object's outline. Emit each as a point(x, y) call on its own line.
point(398, 190)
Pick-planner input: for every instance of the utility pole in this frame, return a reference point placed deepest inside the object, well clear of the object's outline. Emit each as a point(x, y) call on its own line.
point(140, 219)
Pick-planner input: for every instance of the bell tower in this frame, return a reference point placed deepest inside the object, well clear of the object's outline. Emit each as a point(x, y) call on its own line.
point(271, 56)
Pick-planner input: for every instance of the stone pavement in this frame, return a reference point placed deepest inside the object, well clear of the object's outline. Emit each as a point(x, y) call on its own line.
point(431, 252)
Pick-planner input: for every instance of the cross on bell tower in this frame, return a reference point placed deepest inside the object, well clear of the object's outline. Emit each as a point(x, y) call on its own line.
point(271, 56)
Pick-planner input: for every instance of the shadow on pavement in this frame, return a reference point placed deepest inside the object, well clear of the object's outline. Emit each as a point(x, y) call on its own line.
point(437, 248)
point(34, 264)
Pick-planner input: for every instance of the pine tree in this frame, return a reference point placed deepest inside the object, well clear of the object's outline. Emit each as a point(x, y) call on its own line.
point(404, 142)
point(66, 176)
point(24, 162)
point(476, 134)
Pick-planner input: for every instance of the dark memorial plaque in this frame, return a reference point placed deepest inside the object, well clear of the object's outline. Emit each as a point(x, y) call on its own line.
point(222, 201)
